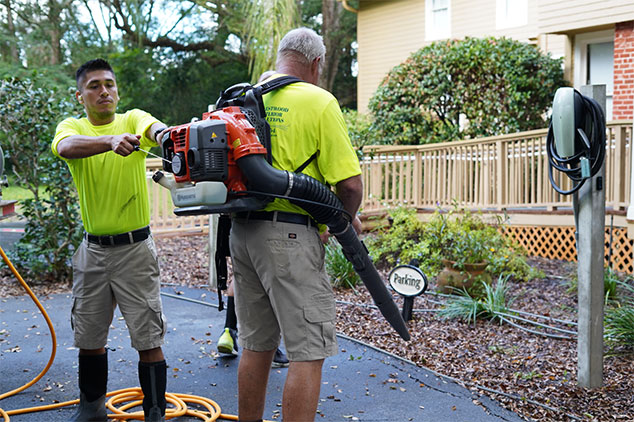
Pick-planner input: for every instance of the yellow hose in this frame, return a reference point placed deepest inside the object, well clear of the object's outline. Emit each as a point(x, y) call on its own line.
point(126, 398)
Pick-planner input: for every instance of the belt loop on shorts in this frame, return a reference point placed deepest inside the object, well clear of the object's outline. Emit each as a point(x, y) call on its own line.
point(274, 217)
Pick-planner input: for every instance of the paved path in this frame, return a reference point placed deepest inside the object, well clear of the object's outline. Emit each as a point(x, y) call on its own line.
point(360, 383)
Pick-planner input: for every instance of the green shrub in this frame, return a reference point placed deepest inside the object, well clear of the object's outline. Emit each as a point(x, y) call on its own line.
point(359, 130)
point(28, 117)
point(459, 235)
point(495, 85)
point(338, 268)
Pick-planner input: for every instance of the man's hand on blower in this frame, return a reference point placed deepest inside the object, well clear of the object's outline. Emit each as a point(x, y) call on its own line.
point(124, 144)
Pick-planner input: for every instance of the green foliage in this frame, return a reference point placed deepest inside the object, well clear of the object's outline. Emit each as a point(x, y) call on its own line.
point(402, 241)
point(619, 325)
point(28, 119)
point(468, 307)
point(339, 269)
point(459, 235)
point(358, 129)
point(499, 85)
point(265, 25)
point(174, 91)
point(612, 284)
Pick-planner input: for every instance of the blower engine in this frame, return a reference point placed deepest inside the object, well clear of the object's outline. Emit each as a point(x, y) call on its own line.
point(221, 166)
point(205, 166)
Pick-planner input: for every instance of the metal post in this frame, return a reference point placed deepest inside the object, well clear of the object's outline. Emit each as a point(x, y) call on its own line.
point(590, 269)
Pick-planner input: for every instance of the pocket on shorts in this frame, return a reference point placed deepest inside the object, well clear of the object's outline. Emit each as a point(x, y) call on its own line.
point(320, 309)
point(320, 336)
point(155, 306)
point(149, 242)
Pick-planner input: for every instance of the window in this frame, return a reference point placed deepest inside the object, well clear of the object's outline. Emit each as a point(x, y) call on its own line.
point(437, 19)
point(511, 13)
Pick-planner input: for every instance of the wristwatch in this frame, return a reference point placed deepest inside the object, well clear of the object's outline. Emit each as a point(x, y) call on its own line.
point(156, 133)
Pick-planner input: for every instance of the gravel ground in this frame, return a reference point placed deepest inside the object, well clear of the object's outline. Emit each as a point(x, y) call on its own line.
point(530, 374)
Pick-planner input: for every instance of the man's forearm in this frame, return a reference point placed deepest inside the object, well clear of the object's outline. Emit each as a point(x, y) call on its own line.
point(350, 191)
point(80, 146)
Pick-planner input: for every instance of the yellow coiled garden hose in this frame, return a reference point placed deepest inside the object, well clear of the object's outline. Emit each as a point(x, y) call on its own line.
point(126, 398)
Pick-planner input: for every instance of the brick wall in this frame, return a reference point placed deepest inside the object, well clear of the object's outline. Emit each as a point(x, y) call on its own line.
point(623, 100)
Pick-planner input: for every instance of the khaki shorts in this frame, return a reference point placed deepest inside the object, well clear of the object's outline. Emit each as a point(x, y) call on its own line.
point(127, 276)
point(281, 287)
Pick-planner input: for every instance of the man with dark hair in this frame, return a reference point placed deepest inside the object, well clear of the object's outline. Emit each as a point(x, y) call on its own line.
point(278, 256)
point(116, 264)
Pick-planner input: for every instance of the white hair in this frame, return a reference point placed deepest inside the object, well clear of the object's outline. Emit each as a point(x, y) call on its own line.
point(304, 41)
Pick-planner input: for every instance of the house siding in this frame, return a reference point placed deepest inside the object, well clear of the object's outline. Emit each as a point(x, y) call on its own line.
point(394, 30)
point(570, 16)
point(623, 102)
point(388, 32)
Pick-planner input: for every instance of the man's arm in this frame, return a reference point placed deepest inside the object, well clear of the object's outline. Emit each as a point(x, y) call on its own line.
point(350, 191)
point(156, 132)
point(82, 146)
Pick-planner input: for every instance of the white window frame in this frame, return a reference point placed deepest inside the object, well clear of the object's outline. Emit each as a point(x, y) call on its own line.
point(431, 32)
point(511, 18)
point(580, 71)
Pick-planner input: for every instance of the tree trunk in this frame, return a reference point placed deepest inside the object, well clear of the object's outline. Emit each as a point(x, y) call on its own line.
point(55, 31)
point(331, 26)
point(10, 50)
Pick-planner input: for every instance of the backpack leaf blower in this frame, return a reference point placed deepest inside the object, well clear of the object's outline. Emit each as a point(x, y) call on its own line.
point(224, 154)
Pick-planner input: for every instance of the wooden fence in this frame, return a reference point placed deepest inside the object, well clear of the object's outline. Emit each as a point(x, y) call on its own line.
point(163, 221)
point(500, 172)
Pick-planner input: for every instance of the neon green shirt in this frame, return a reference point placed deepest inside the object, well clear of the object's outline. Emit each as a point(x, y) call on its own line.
point(305, 119)
point(113, 194)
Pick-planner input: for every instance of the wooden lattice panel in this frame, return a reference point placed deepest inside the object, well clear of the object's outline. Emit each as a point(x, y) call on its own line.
point(558, 242)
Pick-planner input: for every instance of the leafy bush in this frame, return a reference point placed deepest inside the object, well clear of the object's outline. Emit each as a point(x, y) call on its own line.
point(338, 268)
point(359, 129)
point(28, 119)
point(458, 235)
point(494, 85)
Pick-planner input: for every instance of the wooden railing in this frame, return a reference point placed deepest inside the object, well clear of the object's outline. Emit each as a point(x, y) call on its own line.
point(501, 172)
point(163, 221)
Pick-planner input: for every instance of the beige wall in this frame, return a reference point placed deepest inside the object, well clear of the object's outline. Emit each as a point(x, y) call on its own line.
point(388, 32)
point(569, 16)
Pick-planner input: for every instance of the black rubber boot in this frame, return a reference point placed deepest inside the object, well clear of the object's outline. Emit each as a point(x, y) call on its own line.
point(91, 411)
point(153, 379)
point(93, 380)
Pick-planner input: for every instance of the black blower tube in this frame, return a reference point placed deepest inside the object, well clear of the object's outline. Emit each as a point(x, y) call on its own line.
point(263, 177)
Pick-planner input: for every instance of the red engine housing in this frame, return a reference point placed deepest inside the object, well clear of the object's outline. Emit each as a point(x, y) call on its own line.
point(207, 150)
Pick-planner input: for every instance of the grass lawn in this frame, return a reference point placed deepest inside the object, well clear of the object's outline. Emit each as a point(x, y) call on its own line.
point(17, 193)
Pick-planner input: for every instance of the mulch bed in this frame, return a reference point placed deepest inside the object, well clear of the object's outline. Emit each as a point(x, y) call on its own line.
point(532, 375)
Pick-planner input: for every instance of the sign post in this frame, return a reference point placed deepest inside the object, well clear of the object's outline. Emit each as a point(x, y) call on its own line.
point(408, 281)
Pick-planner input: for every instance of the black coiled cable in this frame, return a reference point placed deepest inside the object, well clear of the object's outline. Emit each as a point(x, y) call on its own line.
point(593, 150)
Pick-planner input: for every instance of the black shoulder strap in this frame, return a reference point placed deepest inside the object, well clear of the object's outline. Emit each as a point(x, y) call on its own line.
point(306, 163)
point(278, 83)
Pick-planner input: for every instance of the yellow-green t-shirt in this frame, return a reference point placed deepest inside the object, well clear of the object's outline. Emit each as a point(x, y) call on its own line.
point(113, 195)
point(305, 119)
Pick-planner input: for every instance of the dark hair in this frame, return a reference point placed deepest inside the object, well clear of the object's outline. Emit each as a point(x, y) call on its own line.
point(89, 66)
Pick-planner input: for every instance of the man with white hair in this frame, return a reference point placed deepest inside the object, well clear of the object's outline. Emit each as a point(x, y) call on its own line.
point(281, 287)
